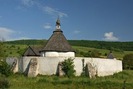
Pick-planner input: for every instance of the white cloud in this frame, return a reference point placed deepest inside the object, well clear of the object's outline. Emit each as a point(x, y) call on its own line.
point(53, 11)
point(109, 36)
point(46, 9)
point(76, 32)
point(20, 38)
point(47, 26)
point(28, 2)
point(5, 33)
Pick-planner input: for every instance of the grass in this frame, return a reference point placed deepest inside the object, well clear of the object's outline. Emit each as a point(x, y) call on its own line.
point(19, 81)
point(117, 54)
point(17, 50)
point(14, 50)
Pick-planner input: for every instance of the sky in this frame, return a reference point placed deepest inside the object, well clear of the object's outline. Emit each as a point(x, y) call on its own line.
point(103, 20)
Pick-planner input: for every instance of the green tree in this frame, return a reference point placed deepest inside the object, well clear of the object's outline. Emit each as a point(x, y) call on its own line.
point(4, 67)
point(68, 67)
point(2, 47)
point(128, 61)
point(93, 53)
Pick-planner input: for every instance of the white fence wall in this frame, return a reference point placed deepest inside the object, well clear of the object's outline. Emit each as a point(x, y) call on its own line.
point(48, 65)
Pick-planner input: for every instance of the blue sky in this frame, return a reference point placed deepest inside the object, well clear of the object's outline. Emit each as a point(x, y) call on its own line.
point(107, 20)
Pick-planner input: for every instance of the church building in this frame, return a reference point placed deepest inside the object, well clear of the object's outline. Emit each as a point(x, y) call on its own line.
point(57, 46)
point(46, 60)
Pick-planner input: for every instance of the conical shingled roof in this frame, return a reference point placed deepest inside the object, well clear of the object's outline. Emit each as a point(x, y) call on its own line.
point(58, 42)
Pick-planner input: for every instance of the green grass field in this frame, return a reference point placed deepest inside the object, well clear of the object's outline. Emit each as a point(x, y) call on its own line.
point(19, 81)
point(18, 50)
point(117, 54)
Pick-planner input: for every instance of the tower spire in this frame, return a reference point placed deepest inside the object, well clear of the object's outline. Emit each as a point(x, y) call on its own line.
point(58, 23)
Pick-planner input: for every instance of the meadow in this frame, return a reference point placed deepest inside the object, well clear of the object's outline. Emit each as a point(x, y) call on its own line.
point(122, 80)
point(17, 51)
point(119, 49)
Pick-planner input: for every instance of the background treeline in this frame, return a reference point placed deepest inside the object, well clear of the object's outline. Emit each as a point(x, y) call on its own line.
point(127, 46)
point(27, 42)
point(118, 46)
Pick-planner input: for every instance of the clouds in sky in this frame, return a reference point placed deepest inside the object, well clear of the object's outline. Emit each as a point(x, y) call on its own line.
point(47, 9)
point(109, 36)
point(28, 2)
point(76, 32)
point(6, 33)
point(53, 11)
point(47, 26)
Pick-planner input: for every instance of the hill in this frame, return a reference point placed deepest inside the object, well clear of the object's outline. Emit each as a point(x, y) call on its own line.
point(82, 47)
point(126, 46)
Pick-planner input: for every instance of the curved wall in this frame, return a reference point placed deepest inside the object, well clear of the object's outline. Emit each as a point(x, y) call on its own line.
point(58, 54)
point(49, 65)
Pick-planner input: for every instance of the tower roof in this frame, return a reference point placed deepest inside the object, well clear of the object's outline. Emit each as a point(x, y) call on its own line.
point(58, 42)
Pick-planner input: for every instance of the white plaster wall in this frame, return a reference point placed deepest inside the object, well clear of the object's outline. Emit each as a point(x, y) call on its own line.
point(25, 61)
point(10, 62)
point(104, 66)
point(58, 54)
point(109, 67)
point(51, 54)
point(48, 65)
point(66, 54)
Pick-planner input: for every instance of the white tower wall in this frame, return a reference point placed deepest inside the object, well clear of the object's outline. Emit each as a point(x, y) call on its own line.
point(58, 54)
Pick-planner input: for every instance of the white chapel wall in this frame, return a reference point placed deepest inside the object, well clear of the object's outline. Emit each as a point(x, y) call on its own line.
point(103, 66)
point(51, 54)
point(66, 54)
point(58, 54)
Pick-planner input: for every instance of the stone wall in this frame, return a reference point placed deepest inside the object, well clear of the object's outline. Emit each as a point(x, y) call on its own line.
point(49, 65)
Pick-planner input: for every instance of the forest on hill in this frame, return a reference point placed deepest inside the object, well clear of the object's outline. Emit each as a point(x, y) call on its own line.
point(117, 46)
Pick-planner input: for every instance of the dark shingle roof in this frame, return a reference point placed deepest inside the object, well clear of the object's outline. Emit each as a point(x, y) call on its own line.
point(58, 42)
point(32, 51)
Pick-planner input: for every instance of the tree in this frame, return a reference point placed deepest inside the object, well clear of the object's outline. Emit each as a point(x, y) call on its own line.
point(68, 67)
point(2, 55)
point(93, 53)
point(4, 67)
point(128, 61)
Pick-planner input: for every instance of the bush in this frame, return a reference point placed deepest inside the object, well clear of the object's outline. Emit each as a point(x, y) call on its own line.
point(4, 84)
point(68, 67)
point(128, 61)
point(93, 53)
point(4, 68)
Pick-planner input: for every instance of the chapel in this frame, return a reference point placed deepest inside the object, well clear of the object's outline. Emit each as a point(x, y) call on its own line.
point(56, 46)
point(47, 60)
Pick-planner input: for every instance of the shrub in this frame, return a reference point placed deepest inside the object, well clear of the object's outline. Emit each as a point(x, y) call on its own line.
point(2, 48)
point(128, 61)
point(68, 67)
point(93, 53)
point(4, 84)
point(4, 68)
